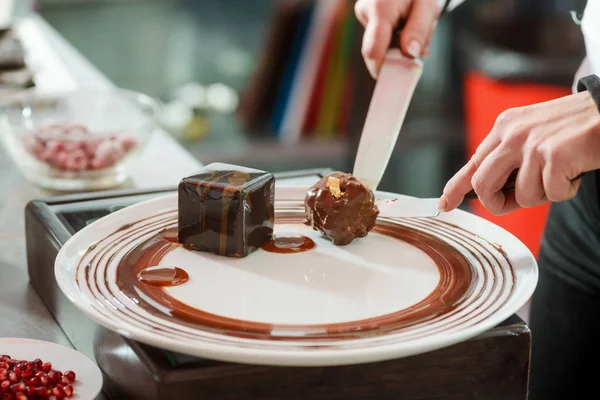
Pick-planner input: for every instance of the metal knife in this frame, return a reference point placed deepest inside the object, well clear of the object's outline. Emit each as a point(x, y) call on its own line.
point(407, 207)
point(393, 92)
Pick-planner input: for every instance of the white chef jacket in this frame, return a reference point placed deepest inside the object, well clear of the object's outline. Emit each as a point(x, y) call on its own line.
point(590, 27)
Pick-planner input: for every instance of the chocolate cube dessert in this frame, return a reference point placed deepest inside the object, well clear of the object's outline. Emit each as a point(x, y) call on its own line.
point(226, 209)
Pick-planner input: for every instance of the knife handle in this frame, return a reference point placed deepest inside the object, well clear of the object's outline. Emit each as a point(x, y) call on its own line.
point(509, 186)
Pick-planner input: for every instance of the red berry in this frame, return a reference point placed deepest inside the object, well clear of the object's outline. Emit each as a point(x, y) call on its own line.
point(21, 396)
point(64, 381)
point(76, 160)
point(27, 374)
point(47, 367)
point(40, 374)
point(31, 391)
point(53, 376)
point(68, 390)
point(70, 145)
point(58, 393)
point(43, 392)
point(4, 365)
point(4, 386)
point(13, 378)
point(70, 375)
point(18, 387)
point(90, 146)
point(44, 381)
point(38, 363)
point(4, 357)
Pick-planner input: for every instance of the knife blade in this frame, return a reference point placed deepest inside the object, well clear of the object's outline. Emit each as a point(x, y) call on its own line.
point(393, 92)
point(408, 207)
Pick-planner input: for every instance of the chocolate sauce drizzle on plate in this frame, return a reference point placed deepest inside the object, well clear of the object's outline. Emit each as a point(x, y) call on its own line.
point(455, 289)
point(288, 243)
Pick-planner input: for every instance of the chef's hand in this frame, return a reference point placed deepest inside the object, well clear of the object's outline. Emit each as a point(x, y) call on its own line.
point(551, 143)
point(380, 17)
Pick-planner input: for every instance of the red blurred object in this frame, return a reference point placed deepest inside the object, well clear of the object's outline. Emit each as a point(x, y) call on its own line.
point(485, 99)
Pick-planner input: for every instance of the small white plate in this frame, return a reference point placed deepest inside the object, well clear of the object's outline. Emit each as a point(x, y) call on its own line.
point(88, 383)
point(411, 286)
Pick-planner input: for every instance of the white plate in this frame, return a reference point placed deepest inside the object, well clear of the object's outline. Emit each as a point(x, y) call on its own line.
point(88, 382)
point(381, 297)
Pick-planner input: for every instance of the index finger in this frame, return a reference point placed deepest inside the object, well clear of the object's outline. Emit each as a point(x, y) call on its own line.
point(376, 43)
point(457, 187)
point(460, 184)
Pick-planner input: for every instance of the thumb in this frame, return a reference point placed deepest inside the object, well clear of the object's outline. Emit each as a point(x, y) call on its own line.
point(418, 29)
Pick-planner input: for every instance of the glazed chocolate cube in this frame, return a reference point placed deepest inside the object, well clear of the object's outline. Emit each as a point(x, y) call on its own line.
point(226, 209)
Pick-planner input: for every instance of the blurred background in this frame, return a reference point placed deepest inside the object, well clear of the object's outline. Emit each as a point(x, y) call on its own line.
point(280, 84)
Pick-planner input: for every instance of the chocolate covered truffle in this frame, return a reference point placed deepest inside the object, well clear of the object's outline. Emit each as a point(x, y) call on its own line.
point(341, 208)
point(226, 209)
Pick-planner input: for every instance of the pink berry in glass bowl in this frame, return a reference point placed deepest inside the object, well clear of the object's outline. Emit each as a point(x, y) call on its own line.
point(90, 146)
point(76, 160)
point(58, 159)
point(79, 140)
point(129, 141)
point(108, 152)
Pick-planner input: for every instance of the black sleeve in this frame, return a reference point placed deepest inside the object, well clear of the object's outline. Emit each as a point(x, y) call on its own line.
point(591, 83)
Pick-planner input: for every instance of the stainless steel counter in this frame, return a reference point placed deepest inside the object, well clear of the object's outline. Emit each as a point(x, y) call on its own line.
point(22, 313)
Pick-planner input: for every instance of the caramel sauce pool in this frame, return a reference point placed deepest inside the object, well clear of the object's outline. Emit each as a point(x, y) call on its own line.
point(163, 276)
point(288, 243)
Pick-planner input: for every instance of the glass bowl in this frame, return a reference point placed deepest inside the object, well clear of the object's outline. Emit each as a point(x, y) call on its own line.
point(79, 140)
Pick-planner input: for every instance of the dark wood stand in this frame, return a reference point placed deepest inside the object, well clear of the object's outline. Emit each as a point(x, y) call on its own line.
point(492, 366)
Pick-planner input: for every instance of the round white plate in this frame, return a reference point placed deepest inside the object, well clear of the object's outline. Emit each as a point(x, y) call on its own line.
point(88, 382)
point(411, 286)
